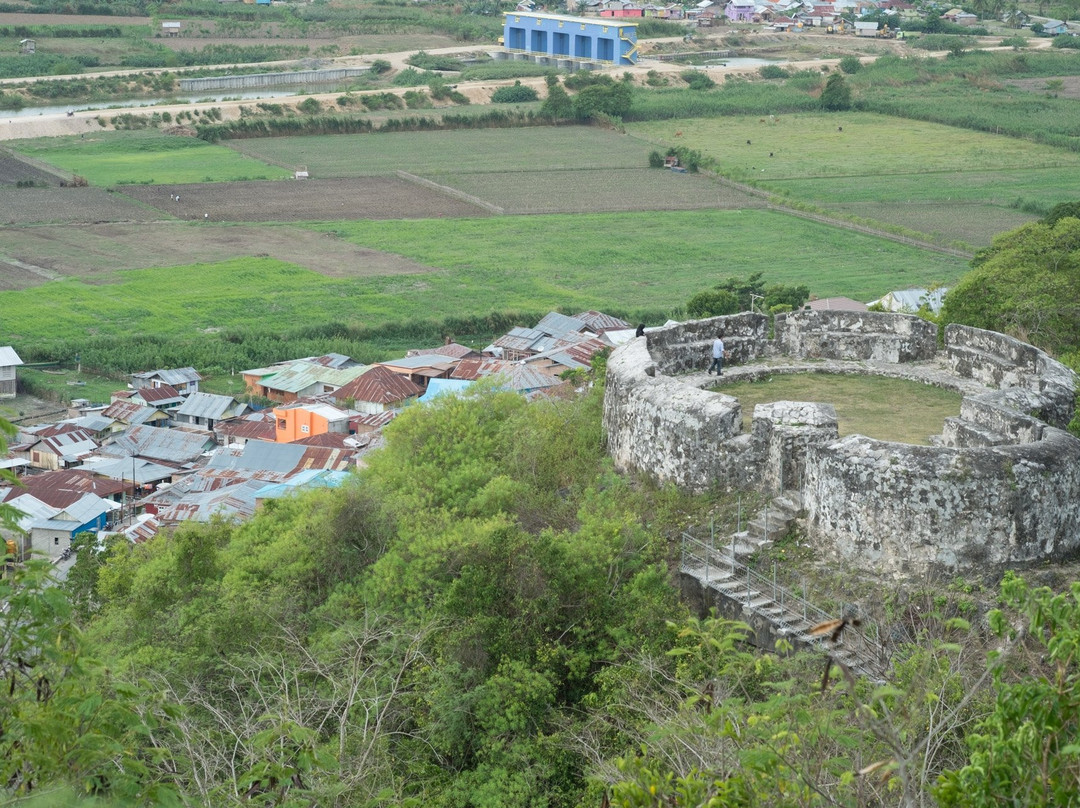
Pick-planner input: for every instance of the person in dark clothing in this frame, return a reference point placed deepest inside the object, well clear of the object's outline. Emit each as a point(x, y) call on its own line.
point(640, 330)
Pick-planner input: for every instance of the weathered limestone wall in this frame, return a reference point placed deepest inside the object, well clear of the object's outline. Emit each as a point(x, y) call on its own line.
point(782, 434)
point(909, 510)
point(1003, 362)
point(1001, 487)
point(658, 426)
point(871, 335)
point(688, 346)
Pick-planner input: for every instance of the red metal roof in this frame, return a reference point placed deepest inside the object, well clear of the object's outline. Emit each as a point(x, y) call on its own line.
point(163, 393)
point(59, 489)
point(452, 349)
point(379, 385)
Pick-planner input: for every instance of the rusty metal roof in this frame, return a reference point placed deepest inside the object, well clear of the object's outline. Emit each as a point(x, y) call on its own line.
point(598, 322)
point(452, 349)
point(379, 385)
point(61, 488)
point(158, 395)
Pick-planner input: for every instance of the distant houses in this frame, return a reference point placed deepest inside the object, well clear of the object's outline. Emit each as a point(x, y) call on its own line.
point(163, 451)
point(9, 360)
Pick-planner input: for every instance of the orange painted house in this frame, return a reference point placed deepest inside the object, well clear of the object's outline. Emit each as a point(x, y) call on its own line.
point(305, 420)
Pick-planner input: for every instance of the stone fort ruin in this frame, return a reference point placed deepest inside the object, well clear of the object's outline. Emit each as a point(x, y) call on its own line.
point(999, 487)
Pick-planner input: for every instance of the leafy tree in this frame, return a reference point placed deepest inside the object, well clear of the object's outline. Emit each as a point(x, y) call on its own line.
point(1026, 750)
point(1026, 283)
point(697, 80)
point(607, 97)
point(736, 294)
point(850, 64)
point(1060, 211)
point(557, 106)
point(836, 96)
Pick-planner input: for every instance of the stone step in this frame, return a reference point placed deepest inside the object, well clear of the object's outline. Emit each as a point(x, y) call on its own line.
point(964, 434)
point(770, 528)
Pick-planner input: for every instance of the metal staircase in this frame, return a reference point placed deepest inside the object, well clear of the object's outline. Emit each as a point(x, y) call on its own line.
point(721, 567)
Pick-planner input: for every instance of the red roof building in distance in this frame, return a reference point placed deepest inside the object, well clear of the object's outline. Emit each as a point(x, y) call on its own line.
point(451, 349)
point(598, 322)
point(59, 489)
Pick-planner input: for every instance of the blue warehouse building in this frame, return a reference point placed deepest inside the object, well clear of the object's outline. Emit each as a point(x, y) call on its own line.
point(572, 43)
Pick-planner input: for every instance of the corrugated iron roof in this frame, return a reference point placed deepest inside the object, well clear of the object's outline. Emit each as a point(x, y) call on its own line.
point(261, 429)
point(257, 455)
point(375, 420)
point(557, 324)
point(379, 385)
point(173, 376)
point(131, 412)
point(598, 322)
point(167, 445)
point(158, 395)
point(301, 375)
point(210, 406)
point(420, 362)
point(8, 357)
point(61, 488)
point(452, 349)
point(837, 304)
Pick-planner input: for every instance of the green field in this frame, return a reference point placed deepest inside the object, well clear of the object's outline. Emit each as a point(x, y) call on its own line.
point(886, 409)
point(456, 151)
point(145, 157)
point(885, 168)
point(599, 189)
point(623, 261)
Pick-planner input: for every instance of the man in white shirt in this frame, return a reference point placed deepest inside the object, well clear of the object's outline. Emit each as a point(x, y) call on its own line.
point(717, 355)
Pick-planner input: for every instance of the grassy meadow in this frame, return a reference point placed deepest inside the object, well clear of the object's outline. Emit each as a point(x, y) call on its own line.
point(885, 409)
point(956, 184)
point(146, 156)
point(626, 262)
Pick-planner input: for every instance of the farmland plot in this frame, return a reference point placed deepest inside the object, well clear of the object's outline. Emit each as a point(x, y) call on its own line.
point(456, 151)
point(99, 253)
point(146, 157)
point(303, 200)
point(75, 205)
point(900, 172)
point(598, 190)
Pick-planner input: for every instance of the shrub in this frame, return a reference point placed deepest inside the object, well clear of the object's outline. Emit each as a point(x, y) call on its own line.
point(773, 72)
point(697, 80)
point(411, 77)
point(1066, 41)
point(309, 106)
point(380, 66)
point(516, 93)
point(850, 64)
point(417, 99)
point(427, 61)
point(656, 160)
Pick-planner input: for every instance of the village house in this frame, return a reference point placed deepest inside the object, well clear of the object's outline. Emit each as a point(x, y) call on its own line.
point(421, 369)
point(184, 380)
point(304, 419)
point(175, 448)
point(378, 390)
point(55, 446)
point(9, 360)
point(59, 489)
point(739, 11)
point(128, 413)
point(164, 397)
point(259, 425)
point(299, 379)
point(53, 535)
point(516, 376)
point(204, 410)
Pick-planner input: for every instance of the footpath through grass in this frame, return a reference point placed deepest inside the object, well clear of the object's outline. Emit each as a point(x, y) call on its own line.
point(886, 409)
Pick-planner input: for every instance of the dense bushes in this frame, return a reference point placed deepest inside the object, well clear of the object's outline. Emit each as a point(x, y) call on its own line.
point(516, 93)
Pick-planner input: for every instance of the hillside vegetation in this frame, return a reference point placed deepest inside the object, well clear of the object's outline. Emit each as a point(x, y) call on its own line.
point(485, 617)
